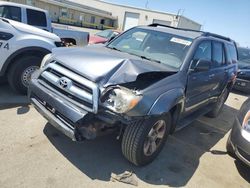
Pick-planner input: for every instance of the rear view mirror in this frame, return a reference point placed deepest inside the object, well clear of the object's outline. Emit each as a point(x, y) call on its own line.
point(202, 65)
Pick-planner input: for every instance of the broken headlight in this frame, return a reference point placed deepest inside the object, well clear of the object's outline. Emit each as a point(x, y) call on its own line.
point(120, 99)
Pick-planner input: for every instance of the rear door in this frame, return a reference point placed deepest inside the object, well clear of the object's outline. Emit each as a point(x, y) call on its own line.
point(218, 73)
point(199, 84)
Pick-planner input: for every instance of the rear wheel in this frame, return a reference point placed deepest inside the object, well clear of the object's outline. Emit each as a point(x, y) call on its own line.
point(20, 73)
point(143, 140)
point(219, 105)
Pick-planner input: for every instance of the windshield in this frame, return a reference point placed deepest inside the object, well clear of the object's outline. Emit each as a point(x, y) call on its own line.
point(105, 34)
point(244, 58)
point(165, 48)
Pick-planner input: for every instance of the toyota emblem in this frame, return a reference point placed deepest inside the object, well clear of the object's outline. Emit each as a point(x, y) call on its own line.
point(65, 83)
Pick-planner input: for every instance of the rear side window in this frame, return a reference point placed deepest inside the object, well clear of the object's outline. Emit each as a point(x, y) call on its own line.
point(36, 18)
point(10, 12)
point(218, 54)
point(232, 56)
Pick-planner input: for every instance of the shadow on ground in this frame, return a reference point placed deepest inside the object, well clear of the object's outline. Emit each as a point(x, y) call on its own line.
point(175, 165)
point(10, 99)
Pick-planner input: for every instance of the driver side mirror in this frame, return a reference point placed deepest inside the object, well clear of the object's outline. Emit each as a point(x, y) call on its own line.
point(202, 65)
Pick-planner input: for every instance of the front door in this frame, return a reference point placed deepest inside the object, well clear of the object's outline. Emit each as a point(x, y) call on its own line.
point(199, 83)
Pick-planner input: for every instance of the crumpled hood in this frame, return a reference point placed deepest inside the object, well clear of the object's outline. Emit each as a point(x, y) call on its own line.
point(105, 66)
point(33, 30)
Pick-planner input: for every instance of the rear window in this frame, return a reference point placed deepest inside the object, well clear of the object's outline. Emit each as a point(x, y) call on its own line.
point(36, 18)
point(10, 12)
point(232, 56)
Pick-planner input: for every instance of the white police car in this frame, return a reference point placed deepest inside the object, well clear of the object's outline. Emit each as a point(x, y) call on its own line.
point(22, 48)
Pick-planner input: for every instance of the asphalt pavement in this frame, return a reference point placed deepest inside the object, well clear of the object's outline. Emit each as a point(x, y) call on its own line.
point(34, 154)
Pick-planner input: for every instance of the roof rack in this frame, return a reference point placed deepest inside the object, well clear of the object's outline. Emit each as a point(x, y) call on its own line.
point(183, 29)
point(208, 34)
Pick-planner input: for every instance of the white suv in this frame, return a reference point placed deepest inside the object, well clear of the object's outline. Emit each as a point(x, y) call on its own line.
point(22, 48)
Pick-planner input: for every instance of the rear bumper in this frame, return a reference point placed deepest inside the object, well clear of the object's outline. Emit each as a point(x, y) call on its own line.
point(240, 142)
point(242, 85)
point(59, 113)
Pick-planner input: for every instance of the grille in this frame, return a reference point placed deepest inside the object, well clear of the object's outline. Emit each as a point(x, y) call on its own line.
point(73, 87)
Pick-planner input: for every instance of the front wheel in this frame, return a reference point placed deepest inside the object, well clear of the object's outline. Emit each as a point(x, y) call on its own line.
point(143, 140)
point(20, 73)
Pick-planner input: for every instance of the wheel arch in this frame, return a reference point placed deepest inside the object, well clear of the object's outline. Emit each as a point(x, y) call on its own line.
point(36, 51)
point(174, 104)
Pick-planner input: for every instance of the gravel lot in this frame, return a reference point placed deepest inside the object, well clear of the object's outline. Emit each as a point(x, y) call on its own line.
point(34, 154)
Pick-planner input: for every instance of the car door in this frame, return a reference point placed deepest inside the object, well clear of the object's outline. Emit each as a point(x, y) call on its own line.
point(198, 83)
point(218, 72)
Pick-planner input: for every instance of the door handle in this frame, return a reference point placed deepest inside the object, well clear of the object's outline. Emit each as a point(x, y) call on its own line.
point(211, 75)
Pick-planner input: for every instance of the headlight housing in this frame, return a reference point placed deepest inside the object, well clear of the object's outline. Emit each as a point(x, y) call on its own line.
point(120, 99)
point(45, 60)
point(246, 122)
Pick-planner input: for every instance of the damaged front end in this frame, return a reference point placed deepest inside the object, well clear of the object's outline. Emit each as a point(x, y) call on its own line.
point(85, 107)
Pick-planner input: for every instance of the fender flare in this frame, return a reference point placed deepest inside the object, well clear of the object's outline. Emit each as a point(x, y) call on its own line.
point(12, 57)
point(173, 101)
point(170, 99)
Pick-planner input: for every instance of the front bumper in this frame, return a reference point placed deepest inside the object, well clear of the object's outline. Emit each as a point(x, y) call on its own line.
point(240, 141)
point(242, 85)
point(59, 113)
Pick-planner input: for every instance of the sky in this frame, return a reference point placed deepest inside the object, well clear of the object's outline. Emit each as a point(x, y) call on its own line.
point(230, 18)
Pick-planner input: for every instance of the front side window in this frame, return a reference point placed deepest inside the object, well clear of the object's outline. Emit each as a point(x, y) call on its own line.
point(166, 48)
point(10, 12)
point(36, 18)
point(203, 52)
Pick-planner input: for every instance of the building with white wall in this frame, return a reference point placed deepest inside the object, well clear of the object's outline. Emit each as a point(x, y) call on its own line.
point(103, 15)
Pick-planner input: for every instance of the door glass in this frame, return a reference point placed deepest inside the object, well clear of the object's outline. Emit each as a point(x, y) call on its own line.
point(217, 54)
point(204, 52)
point(36, 18)
point(10, 12)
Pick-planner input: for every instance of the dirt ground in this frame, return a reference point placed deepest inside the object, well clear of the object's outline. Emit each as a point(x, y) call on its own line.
point(34, 154)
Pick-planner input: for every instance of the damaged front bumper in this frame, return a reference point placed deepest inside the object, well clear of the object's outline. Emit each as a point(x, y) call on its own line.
point(66, 117)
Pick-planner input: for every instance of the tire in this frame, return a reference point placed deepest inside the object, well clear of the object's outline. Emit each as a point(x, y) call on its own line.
point(219, 105)
point(20, 71)
point(229, 147)
point(136, 139)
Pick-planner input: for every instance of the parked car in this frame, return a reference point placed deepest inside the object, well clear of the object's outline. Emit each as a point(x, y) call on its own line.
point(103, 36)
point(147, 83)
point(243, 77)
point(238, 144)
point(40, 18)
point(22, 48)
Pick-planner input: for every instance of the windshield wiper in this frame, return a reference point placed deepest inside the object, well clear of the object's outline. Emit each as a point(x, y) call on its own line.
point(114, 48)
point(150, 59)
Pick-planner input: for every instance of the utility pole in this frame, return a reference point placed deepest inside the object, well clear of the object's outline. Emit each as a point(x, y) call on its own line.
point(146, 4)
